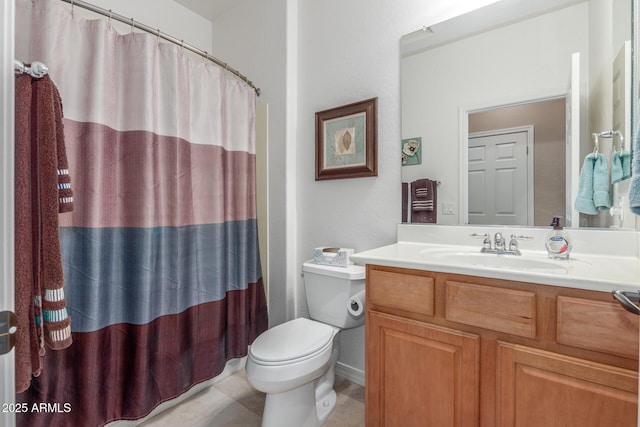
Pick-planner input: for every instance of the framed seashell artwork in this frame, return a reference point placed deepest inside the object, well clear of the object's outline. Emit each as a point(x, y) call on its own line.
point(347, 141)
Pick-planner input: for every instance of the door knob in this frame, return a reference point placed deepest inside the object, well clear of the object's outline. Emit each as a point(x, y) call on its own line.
point(8, 330)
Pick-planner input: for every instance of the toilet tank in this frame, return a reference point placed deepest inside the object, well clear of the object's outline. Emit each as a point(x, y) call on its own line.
point(328, 290)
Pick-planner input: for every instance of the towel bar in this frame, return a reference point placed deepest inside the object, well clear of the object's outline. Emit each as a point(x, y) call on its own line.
point(37, 69)
point(607, 134)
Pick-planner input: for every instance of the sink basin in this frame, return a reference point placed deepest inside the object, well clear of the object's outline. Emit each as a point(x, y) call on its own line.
point(510, 262)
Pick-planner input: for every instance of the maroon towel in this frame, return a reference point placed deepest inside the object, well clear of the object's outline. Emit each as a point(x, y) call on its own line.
point(405, 201)
point(27, 357)
point(424, 201)
point(42, 190)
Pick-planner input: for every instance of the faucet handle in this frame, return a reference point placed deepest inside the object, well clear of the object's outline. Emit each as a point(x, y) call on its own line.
point(498, 241)
point(486, 243)
point(513, 243)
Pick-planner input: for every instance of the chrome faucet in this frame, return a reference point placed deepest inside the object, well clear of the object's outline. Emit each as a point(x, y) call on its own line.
point(499, 244)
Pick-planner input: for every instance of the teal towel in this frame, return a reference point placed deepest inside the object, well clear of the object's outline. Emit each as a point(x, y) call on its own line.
point(584, 201)
point(616, 167)
point(625, 158)
point(620, 166)
point(601, 195)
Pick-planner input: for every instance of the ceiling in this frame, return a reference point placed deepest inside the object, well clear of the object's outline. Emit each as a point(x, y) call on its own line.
point(209, 9)
point(480, 20)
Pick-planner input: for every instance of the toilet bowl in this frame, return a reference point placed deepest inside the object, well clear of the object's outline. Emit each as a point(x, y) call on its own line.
point(294, 363)
point(285, 357)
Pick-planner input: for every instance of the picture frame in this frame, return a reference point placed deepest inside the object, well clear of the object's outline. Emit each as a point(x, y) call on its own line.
point(347, 141)
point(411, 151)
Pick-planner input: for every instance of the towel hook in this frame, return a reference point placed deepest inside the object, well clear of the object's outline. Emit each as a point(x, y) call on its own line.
point(620, 139)
point(596, 143)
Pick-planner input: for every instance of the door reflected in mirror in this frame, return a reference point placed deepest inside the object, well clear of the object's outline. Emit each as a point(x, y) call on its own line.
point(516, 164)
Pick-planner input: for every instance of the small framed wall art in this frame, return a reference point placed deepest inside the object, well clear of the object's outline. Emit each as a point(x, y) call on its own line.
point(347, 141)
point(411, 151)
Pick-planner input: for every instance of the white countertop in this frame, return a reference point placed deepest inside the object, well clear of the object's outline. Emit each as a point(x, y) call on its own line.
point(586, 269)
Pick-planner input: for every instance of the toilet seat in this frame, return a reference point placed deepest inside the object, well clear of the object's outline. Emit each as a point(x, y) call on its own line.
point(292, 342)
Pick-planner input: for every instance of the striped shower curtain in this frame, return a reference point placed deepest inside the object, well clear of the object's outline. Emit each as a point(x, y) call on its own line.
point(160, 255)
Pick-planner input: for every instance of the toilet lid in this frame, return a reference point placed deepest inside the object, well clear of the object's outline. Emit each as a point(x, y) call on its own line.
point(291, 340)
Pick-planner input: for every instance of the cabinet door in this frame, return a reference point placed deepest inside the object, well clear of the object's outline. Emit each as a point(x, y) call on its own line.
point(540, 388)
point(420, 374)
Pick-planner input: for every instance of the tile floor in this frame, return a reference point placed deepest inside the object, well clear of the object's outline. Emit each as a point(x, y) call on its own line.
point(233, 402)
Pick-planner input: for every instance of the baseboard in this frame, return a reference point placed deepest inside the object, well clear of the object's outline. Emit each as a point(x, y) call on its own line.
point(349, 372)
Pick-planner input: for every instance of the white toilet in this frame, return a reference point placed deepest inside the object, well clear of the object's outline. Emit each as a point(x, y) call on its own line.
point(294, 363)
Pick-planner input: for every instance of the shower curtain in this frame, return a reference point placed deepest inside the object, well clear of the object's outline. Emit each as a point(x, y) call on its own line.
point(160, 255)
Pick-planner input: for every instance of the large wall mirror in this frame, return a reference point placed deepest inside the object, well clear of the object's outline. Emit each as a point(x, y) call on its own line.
point(500, 107)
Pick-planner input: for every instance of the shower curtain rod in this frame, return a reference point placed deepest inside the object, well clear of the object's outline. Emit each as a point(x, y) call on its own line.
point(158, 33)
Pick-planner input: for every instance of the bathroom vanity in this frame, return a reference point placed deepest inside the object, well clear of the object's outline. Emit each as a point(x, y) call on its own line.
point(455, 342)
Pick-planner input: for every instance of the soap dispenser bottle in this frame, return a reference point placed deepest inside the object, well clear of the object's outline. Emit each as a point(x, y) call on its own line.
point(557, 241)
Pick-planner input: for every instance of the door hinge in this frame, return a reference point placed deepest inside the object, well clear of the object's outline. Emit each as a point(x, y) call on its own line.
point(8, 330)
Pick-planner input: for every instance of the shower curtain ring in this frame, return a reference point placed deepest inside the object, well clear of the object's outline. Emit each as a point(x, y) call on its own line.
point(204, 57)
point(72, 1)
point(158, 35)
point(110, 13)
point(132, 25)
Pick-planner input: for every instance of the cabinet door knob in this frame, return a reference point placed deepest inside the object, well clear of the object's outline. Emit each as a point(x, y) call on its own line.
point(627, 299)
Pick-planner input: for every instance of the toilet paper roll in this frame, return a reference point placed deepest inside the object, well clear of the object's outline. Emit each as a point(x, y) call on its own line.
point(355, 304)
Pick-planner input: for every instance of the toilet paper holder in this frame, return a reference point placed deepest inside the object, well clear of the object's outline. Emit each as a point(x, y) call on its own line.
point(355, 304)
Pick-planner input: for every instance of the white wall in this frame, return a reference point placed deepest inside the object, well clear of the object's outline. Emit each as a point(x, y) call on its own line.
point(349, 51)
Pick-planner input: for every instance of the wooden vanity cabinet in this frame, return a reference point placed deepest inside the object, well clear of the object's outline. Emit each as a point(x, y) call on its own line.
point(453, 350)
point(410, 392)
